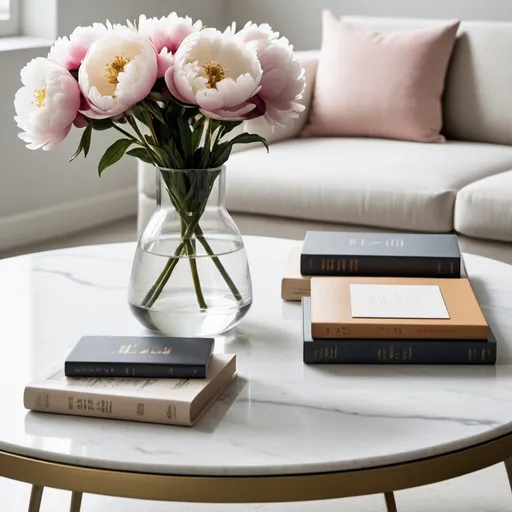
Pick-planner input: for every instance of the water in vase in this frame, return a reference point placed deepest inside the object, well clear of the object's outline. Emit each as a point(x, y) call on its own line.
point(197, 299)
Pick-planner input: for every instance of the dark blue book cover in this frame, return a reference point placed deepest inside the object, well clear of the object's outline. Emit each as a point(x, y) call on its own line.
point(140, 356)
point(351, 351)
point(327, 253)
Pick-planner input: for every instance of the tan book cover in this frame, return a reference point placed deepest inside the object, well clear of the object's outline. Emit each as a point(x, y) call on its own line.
point(168, 401)
point(294, 286)
point(421, 308)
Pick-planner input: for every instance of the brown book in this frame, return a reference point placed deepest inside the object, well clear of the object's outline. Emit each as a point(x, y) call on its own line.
point(294, 286)
point(342, 308)
point(169, 401)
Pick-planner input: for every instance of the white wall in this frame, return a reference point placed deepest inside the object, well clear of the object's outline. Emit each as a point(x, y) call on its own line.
point(300, 20)
point(42, 195)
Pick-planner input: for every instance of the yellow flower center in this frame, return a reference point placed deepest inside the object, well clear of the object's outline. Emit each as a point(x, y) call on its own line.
point(115, 67)
point(40, 95)
point(215, 73)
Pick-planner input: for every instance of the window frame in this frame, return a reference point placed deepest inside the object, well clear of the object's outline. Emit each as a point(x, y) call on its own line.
point(11, 26)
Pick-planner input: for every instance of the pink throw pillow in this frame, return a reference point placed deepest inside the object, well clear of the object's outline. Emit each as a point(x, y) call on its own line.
point(383, 85)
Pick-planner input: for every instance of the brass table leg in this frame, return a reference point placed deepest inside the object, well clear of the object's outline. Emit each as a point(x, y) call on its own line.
point(35, 498)
point(508, 467)
point(76, 502)
point(390, 502)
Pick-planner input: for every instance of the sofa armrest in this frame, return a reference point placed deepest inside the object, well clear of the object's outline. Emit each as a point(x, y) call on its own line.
point(309, 60)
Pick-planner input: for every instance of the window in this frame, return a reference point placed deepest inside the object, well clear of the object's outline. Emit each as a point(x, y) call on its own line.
point(9, 17)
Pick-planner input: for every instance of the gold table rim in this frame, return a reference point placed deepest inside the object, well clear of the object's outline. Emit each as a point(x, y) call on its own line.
point(255, 489)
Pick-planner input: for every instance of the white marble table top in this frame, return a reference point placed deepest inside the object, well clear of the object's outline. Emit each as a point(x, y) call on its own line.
point(281, 417)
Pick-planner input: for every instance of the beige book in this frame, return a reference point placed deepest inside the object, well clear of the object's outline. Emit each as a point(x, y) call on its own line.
point(168, 401)
point(384, 308)
point(294, 286)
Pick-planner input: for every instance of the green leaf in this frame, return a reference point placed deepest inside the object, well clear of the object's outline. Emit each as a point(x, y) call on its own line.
point(197, 136)
point(86, 139)
point(223, 151)
point(138, 113)
point(101, 124)
point(162, 155)
point(154, 110)
point(248, 138)
point(142, 154)
point(85, 143)
point(229, 126)
point(113, 154)
point(175, 158)
point(221, 154)
point(185, 138)
point(157, 96)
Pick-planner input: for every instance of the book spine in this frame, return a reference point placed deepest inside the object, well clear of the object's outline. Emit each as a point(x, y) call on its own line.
point(294, 289)
point(60, 401)
point(397, 331)
point(379, 266)
point(396, 352)
point(145, 371)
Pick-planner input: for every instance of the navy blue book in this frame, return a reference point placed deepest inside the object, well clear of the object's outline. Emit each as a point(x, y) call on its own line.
point(349, 351)
point(327, 253)
point(141, 356)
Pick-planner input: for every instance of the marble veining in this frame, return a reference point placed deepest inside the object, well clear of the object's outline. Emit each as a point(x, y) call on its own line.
point(280, 416)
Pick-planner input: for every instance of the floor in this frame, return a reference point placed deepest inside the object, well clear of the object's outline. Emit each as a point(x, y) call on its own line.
point(485, 491)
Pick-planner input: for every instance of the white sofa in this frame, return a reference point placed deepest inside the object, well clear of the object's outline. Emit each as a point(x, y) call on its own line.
point(462, 186)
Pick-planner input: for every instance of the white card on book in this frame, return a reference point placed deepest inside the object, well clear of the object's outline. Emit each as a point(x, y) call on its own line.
point(397, 301)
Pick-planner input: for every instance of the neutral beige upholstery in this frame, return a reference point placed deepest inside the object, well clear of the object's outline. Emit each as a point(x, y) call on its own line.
point(464, 187)
point(484, 208)
point(399, 185)
point(296, 230)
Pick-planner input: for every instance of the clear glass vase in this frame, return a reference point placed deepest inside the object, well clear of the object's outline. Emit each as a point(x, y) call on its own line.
point(190, 275)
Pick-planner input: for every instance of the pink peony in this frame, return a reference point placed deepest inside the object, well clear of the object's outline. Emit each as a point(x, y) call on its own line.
point(167, 34)
point(70, 52)
point(47, 104)
point(283, 82)
point(119, 70)
point(218, 73)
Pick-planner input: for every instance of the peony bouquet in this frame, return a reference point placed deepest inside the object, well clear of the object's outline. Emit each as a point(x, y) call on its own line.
point(174, 90)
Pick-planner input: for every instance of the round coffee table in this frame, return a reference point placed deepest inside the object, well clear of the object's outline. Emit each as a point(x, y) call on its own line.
point(283, 432)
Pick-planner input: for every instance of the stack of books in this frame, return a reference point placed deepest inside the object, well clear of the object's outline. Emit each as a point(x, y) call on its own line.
point(377, 298)
point(148, 379)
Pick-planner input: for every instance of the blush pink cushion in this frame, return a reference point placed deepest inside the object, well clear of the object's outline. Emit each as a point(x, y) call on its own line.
point(380, 85)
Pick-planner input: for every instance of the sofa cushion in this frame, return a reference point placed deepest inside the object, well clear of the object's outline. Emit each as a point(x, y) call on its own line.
point(477, 94)
point(410, 68)
point(389, 184)
point(484, 208)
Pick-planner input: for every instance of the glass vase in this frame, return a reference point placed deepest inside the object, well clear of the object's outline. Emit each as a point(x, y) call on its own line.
point(190, 274)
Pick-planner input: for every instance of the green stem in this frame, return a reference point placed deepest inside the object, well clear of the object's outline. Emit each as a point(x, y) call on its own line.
point(151, 128)
point(129, 135)
point(191, 251)
point(133, 123)
point(220, 267)
point(165, 275)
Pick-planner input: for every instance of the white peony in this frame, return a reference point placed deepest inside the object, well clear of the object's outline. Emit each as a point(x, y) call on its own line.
point(47, 104)
point(119, 70)
point(70, 52)
point(283, 81)
point(167, 34)
point(217, 72)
